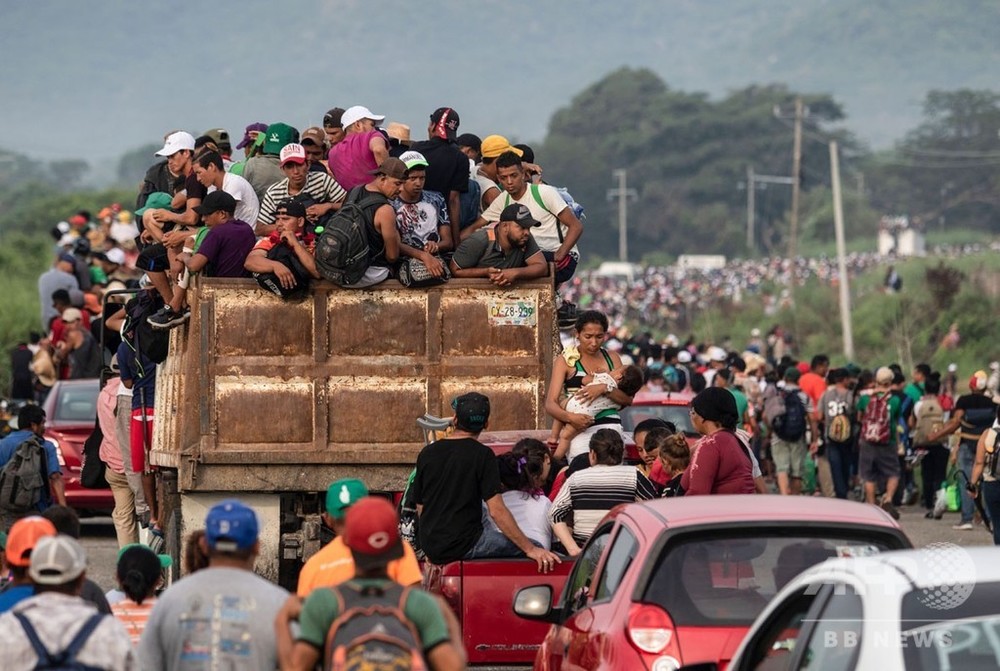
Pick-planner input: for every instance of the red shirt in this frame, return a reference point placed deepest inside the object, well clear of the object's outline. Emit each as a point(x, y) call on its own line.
point(813, 385)
point(719, 465)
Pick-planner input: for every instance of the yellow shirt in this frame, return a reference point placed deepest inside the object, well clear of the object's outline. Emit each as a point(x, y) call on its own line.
point(333, 565)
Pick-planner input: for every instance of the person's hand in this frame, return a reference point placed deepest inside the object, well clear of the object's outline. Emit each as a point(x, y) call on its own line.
point(314, 212)
point(814, 447)
point(146, 236)
point(591, 393)
point(579, 421)
point(431, 247)
point(559, 256)
point(500, 278)
point(174, 238)
point(546, 560)
point(433, 265)
point(289, 238)
point(953, 459)
point(291, 609)
point(284, 275)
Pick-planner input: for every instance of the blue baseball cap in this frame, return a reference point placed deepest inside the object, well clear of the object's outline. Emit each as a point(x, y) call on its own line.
point(231, 526)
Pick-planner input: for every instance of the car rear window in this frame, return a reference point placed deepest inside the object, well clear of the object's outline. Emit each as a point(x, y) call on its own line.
point(955, 626)
point(723, 578)
point(77, 404)
point(678, 414)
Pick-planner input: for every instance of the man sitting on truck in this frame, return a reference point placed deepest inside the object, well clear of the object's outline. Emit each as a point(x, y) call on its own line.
point(504, 253)
point(455, 477)
point(334, 564)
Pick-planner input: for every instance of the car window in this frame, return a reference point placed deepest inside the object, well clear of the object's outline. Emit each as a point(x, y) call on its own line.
point(772, 646)
point(835, 638)
point(619, 559)
point(726, 577)
point(678, 414)
point(77, 403)
point(578, 588)
point(953, 626)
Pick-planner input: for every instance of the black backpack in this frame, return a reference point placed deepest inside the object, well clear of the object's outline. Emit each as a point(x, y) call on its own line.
point(24, 478)
point(343, 252)
point(66, 659)
point(284, 255)
point(139, 334)
point(791, 425)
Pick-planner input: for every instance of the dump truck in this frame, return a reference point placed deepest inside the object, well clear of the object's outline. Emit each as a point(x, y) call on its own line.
point(270, 400)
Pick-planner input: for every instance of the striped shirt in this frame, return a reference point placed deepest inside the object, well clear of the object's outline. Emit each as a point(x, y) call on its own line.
point(133, 616)
point(319, 186)
point(588, 495)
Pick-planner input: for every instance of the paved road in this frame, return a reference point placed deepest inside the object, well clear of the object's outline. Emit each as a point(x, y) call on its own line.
point(102, 548)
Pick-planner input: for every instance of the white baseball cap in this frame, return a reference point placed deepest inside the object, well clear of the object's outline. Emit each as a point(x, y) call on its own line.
point(176, 142)
point(115, 255)
point(292, 152)
point(357, 113)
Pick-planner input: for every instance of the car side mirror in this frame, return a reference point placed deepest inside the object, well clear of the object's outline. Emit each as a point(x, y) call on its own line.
point(535, 603)
point(700, 666)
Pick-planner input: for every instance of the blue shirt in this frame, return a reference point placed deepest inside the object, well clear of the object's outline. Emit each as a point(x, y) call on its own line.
point(141, 370)
point(10, 444)
point(12, 596)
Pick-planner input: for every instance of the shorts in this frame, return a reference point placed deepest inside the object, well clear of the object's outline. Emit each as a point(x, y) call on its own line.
point(140, 435)
point(789, 456)
point(566, 271)
point(153, 259)
point(877, 462)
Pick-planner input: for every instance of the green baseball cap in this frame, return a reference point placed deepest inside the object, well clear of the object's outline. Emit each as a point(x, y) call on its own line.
point(342, 494)
point(158, 200)
point(165, 560)
point(277, 136)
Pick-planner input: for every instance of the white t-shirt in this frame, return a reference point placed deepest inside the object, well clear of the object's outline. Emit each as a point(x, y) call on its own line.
point(599, 404)
point(546, 235)
point(247, 203)
point(485, 184)
point(532, 515)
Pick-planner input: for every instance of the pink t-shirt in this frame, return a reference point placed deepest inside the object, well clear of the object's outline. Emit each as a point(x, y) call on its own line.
point(107, 400)
point(719, 465)
point(351, 160)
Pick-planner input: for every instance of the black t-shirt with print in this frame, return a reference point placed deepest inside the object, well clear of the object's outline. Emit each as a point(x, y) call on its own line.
point(454, 477)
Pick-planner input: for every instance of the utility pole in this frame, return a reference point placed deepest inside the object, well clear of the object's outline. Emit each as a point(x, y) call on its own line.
point(751, 210)
point(796, 175)
point(838, 225)
point(623, 194)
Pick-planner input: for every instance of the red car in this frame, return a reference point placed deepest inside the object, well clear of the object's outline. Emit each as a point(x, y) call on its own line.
point(70, 417)
point(670, 580)
point(669, 406)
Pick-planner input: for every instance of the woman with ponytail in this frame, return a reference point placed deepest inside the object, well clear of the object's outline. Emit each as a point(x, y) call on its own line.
point(140, 572)
point(523, 473)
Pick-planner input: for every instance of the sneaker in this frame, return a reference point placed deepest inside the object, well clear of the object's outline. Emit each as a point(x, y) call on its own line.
point(887, 506)
point(165, 318)
point(929, 515)
point(964, 526)
point(912, 497)
point(566, 315)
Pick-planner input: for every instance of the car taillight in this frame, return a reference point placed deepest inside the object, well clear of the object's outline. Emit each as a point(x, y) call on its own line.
point(451, 592)
point(649, 629)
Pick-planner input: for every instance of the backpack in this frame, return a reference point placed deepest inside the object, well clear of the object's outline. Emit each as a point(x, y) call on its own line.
point(139, 334)
point(537, 197)
point(413, 273)
point(929, 420)
point(284, 255)
point(791, 424)
point(343, 252)
point(838, 429)
point(875, 423)
point(991, 454)
point(372, 633)
point(977, 420)
point(66, 659)
point(24, 478)
point(92, 469)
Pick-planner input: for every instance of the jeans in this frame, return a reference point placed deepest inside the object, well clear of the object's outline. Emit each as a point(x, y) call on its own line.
point(492, 542)
point(966, 457)
point(840, 457)
point(991, 501)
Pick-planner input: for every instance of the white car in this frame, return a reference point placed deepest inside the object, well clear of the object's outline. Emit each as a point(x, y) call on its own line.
point(937, 608)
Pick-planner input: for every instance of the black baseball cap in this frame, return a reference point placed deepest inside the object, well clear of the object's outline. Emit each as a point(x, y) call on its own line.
point(216, 201)
point(291, 208)
point(520, 215)
point(445, 121)
point(472, 410)
point(470, 140)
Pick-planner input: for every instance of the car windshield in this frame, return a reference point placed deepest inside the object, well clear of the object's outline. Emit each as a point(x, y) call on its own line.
point(77, 403)
point(955, 626)
point(678, 414)
point(727, 577)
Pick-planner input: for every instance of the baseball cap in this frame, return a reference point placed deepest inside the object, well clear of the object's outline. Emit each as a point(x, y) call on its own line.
point(354, 114)
point(158, 200)
point(978, 380)
point(115, 255)
point(314, 135)
point(248, 138)
point(372, 532)
point(57, 560)
point(176, 142)
point(494, 145)
point(70, 315)
point(231, 526)
point(24, 535)
point(520, 215)
point(220, 136)
point(391, 167)
point(290, 207)
point(792, 374)
point(277, 136)
point(952, 367)
point(684, 356)
point(165, 560)
point(469, 140)
point(883, 376)
point(342, 494)
point(412, 159)
point(716, 354)
point(333, 118)
point(445, 121)
point(293, 153)
point(471, 411)
point(216, 201)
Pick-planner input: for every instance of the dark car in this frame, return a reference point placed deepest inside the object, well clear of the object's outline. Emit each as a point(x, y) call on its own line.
point(71, 415)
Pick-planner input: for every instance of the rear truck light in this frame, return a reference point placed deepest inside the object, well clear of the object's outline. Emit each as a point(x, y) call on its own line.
point(651, 631)
point(451, 592)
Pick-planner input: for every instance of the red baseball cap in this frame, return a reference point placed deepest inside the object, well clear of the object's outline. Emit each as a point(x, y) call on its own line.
point(372, 532)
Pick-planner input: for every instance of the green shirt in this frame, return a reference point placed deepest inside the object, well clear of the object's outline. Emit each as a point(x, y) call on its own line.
point(321, 609)
point(478, 251)
point(914, 391)
point(741, 403)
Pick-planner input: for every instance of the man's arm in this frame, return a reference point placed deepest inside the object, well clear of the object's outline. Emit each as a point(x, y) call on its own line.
point(57, 487)
point(379, 148)
point(434, 266)
point(193, 263)
point(573, 233)
point(465, 261)
point(385, 222)
point(951, 427)
point(455, 212)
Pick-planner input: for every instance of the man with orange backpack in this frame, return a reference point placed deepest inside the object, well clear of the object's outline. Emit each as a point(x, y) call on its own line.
point(878, 459)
